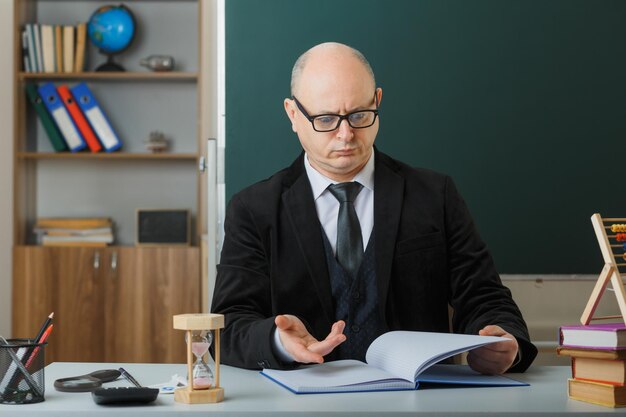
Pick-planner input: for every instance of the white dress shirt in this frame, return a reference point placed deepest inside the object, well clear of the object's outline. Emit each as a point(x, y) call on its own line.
point(327, 205)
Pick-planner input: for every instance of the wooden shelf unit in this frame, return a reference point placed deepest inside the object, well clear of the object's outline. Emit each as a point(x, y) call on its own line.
point(109, 302)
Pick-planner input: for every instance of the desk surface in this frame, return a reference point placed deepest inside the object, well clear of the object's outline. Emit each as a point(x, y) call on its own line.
point(249, 393)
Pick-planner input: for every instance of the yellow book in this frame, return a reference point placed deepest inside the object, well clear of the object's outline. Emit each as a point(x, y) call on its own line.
point(58, 44)
point(610, 371)
point(591, 353)
point(75, 244)
point(81, 36)
point(599, 393)
point(72, 222)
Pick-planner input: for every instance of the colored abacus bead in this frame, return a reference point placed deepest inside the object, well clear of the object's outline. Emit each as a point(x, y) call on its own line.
point(618, 228)
point(620, 237)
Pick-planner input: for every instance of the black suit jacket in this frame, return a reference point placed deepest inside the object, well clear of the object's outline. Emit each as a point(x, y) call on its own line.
point(428, 256)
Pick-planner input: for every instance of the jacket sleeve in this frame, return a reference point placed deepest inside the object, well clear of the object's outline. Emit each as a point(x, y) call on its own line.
point(477, 294)
point(243, 293)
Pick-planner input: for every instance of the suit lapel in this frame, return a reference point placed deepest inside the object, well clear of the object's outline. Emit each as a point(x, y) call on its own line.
point(388, 195)
point(302, 214)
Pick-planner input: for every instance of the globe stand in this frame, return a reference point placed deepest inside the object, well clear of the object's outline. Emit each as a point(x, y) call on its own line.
point(110, 65)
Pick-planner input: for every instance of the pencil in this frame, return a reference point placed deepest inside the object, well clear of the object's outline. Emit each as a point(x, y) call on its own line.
point(43, 327)
point(43, 338)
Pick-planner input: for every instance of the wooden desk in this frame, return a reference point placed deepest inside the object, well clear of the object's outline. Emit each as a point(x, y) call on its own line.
point(247, 393)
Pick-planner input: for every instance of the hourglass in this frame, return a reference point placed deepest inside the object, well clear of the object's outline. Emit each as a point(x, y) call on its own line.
point(202, 387)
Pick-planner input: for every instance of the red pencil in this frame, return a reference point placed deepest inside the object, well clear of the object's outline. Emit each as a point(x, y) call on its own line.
point(43, 338)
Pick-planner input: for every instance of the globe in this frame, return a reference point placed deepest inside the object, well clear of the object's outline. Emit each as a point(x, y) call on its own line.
point(111, 29)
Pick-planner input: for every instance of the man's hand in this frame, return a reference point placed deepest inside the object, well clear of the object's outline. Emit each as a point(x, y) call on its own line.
point(494, 358)
point(303, 347)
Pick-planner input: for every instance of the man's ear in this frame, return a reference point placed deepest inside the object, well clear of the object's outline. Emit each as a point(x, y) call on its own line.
point(290, 109)
point(379, 95)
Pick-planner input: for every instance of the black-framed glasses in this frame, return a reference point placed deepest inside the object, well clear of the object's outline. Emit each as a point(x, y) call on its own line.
point(328, 122)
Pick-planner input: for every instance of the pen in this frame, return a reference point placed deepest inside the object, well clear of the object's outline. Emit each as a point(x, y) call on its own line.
point(129, 377)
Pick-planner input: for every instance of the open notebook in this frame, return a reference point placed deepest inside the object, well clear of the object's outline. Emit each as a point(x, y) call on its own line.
point(398, 360)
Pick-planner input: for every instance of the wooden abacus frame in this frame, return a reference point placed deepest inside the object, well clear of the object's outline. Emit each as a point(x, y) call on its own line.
point(199, 322)
point(610, 272)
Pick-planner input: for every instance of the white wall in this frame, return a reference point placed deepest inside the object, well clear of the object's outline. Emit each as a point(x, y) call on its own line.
point(6, 163)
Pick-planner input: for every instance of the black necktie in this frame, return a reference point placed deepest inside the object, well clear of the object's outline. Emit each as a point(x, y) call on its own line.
point(349, 239)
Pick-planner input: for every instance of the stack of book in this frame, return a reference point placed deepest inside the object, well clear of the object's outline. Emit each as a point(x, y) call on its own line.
point(74, 231)
point(598, 354)
point(54, 48)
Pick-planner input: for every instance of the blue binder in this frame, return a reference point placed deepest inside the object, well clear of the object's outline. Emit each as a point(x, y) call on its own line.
point(61, 116)
point(94, 114)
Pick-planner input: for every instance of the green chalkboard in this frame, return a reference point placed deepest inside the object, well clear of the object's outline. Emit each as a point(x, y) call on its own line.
point(522, 102)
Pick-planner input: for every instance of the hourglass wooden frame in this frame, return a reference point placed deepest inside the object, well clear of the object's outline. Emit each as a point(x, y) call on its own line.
point(199, 322)
point(610, 272)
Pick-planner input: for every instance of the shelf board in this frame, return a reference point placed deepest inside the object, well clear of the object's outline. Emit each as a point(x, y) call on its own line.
point(113, 155)
point(117, 76)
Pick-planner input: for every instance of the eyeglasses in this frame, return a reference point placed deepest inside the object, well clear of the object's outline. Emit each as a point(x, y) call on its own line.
point(329, 122)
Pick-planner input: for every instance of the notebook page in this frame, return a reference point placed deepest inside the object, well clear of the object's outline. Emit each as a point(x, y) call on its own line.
point(321, 377)
point(406, 354)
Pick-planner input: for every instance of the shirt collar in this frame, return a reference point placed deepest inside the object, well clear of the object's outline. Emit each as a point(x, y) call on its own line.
point(319, 182)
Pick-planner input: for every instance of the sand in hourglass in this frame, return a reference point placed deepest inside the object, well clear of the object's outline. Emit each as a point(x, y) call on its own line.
point(202, 381)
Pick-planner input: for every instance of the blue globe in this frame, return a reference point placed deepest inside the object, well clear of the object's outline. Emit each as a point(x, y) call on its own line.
point(111, 28)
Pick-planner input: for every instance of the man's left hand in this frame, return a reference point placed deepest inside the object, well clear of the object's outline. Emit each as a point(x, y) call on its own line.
point(494, 358)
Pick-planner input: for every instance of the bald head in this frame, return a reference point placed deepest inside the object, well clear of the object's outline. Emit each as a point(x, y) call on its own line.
point(329, 56)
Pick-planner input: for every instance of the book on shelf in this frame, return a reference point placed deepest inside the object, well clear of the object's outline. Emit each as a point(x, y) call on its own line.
point(48, 48)
point(597, 393)
point(104, 239)
point(54, 231)
point(599, 336)
point(54, 135)
point(32, 53)
point(397, 360)
point(81, 41)
point(68, 48)
point(58, 47)
point(73, 222)
point(25, 54)
point(76, 244)
point(38, 52)
point(79, 119)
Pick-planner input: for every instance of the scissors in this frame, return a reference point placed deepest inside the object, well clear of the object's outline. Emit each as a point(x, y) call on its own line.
point(87, 382)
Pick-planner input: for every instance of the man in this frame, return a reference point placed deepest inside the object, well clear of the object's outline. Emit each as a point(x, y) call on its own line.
point(309, 274)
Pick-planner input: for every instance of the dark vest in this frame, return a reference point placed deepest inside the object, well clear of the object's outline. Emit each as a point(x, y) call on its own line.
point(356, 302)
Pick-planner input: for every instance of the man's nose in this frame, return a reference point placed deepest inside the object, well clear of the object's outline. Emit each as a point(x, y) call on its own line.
point(344, 131)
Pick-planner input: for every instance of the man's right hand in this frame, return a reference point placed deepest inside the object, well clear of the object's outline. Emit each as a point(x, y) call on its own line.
point(299, 343)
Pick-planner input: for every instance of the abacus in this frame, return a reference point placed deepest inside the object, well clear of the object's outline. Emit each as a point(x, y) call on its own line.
point(607, 231)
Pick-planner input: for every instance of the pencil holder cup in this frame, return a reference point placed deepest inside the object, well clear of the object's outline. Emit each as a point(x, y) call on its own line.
point(22, 372)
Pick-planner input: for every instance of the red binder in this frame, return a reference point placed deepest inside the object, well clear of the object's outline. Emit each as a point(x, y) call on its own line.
point(79, 119)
